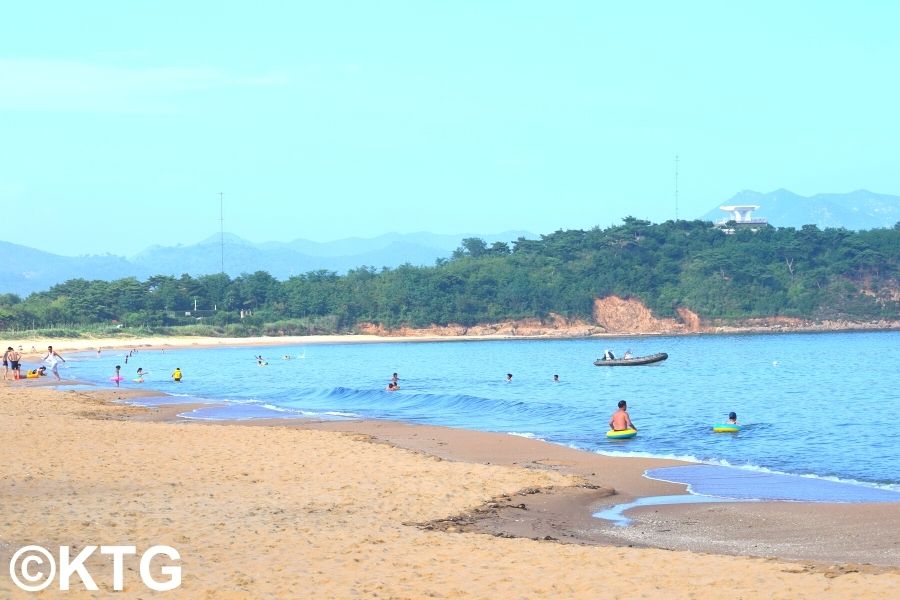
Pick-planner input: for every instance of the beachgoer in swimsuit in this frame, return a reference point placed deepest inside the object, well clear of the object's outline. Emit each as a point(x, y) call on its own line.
point(14, 357)
point(6, 362)
point(620, 420)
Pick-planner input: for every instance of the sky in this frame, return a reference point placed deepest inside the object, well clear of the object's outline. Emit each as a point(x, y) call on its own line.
point(121, 122)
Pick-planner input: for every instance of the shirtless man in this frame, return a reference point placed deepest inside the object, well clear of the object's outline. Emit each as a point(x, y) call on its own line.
point(620, 419)
point(13, 357)
point(6, 362)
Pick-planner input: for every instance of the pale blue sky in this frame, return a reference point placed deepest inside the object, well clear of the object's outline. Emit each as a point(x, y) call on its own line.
point(121, 121)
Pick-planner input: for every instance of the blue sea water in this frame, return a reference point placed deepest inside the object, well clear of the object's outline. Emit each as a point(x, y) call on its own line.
point(822, 405)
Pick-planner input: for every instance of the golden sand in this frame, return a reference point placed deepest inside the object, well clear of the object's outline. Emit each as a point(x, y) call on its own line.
point(281, 512)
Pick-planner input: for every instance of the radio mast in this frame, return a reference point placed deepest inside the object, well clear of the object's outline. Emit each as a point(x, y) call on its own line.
point(676, 187)
point(222, 228)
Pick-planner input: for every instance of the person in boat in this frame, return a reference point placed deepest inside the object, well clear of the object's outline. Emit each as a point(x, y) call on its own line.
point(732, 418)
point(628, 354)
point(608, 355)
point(620, 420)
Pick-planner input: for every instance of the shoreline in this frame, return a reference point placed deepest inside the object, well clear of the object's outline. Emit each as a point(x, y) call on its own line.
point(388, 509)
point(566, 514)
point(412, 336)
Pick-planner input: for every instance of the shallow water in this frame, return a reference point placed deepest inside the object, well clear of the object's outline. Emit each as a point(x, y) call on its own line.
point(826, 405)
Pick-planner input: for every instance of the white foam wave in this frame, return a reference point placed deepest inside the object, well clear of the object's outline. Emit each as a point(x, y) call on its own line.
point(530, 436)
point(721, 462)
point(891, 487)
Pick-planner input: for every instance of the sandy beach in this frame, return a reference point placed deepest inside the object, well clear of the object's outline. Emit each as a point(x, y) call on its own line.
point(375, 509)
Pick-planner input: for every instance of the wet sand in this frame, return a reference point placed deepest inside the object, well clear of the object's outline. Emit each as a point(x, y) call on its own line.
point(382, 510)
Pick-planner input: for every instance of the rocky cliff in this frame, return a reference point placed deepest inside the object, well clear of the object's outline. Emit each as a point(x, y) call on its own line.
point(613, 315)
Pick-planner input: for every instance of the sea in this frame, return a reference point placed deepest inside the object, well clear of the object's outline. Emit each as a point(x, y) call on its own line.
point(820, 412)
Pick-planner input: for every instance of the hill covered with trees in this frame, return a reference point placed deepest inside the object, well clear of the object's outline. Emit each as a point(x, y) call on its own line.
point(806, 273)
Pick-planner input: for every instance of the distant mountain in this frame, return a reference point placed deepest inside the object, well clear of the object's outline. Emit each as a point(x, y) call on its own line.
point(857, 210)
point(26, 270)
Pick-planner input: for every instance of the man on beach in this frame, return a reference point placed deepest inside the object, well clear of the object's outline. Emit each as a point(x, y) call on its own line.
point(53, 359)
point(620, 420)
point(6, 362)
point(13, 357)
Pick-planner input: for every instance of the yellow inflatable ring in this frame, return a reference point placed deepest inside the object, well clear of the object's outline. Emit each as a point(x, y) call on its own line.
point(624, 434)
point(727, 428)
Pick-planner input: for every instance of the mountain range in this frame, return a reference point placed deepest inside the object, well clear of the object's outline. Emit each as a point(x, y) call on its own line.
point(859, 210)
point(28, 270)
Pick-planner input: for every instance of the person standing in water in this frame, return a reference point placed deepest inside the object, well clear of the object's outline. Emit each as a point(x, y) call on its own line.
point(176, 375)
point(53, 358)
point(118, 376)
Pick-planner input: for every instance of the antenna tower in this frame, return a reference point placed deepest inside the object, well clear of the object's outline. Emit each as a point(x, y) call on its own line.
point(676, 187)
point(222, 228)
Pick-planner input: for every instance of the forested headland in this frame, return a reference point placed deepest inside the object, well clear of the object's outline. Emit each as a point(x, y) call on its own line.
point(807, 273)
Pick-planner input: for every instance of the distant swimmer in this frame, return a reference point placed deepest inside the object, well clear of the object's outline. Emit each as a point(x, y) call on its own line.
point(556, 379)
point(391, 387)
point(508, 377)
point(395, 378)
point(176, 374)
point(140, 375)
point(620, 420)
point(732, 418)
